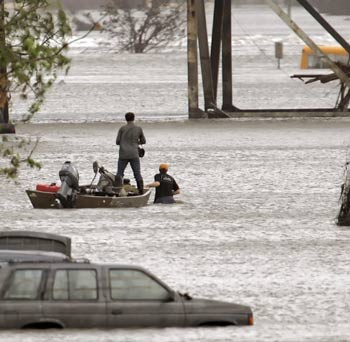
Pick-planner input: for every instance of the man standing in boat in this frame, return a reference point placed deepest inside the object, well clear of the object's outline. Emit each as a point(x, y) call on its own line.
point(166, 186)
point(129, 138)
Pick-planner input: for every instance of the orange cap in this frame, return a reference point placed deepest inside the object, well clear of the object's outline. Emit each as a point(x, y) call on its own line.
point(163, 166)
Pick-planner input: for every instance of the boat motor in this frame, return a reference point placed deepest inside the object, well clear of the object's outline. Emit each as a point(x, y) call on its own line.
point(69, 177)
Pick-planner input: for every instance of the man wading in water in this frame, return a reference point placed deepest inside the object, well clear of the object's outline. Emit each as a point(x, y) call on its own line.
point(166, 186)
point(129, 138)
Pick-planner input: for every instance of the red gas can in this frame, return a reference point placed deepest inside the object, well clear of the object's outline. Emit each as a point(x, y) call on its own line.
point(47, 187)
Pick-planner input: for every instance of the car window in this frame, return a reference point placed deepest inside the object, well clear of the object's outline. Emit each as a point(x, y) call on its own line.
point(75, 285)
point(135, 285)
point(24, 284)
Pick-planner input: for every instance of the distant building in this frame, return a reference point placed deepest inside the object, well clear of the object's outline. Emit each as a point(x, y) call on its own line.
point(78, 5)
point(324, 6)
point(340, 7)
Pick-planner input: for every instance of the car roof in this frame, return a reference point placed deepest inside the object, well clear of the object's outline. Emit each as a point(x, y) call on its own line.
point(32, 256)
point(20, 241)
point(29, 247)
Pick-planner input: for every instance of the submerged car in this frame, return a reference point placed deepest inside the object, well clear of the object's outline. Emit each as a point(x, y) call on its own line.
point(42, 286)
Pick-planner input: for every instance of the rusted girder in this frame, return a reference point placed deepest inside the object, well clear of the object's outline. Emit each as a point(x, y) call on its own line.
point(208, 90)
point(324, 78)
point(216, 43)
point(192, 58)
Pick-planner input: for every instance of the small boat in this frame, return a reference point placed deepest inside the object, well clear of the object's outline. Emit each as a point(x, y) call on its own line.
point(48, 200)
point(103, 195)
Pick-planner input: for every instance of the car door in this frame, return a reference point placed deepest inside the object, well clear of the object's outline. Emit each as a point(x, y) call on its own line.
point(20, 302)
point(74, 297)
point(138, 299)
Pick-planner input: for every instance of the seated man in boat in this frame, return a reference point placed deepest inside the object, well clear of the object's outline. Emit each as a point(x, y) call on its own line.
point(166, 186)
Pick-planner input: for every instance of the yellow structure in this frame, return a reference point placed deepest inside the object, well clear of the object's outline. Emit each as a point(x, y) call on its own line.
point(310, 60)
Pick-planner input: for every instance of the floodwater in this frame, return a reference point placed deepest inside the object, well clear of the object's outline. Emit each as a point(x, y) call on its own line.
point(255, 226)
point(259, 197)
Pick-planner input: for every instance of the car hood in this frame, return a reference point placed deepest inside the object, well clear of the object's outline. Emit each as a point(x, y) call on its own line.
point(215, 306)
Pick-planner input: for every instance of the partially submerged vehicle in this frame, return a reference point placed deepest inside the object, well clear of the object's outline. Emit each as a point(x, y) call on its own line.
point(42, 286)
point(106, 194)
point(311, 60)
point(343, 217)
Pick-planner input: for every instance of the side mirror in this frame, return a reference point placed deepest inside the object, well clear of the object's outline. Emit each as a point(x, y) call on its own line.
point(186, 296)
point(170, 297)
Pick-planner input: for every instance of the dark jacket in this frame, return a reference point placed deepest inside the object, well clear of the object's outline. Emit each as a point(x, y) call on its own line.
point(129, 138)
point(166, 188)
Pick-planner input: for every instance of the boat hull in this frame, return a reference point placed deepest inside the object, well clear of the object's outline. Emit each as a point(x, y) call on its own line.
point(48, 200)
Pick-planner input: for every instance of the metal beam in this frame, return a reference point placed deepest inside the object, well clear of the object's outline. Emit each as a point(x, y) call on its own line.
point(216, 43)
point(204, 55)
point(192, 58)
point(227, 57)
point(308, 41)
point(325, 24)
